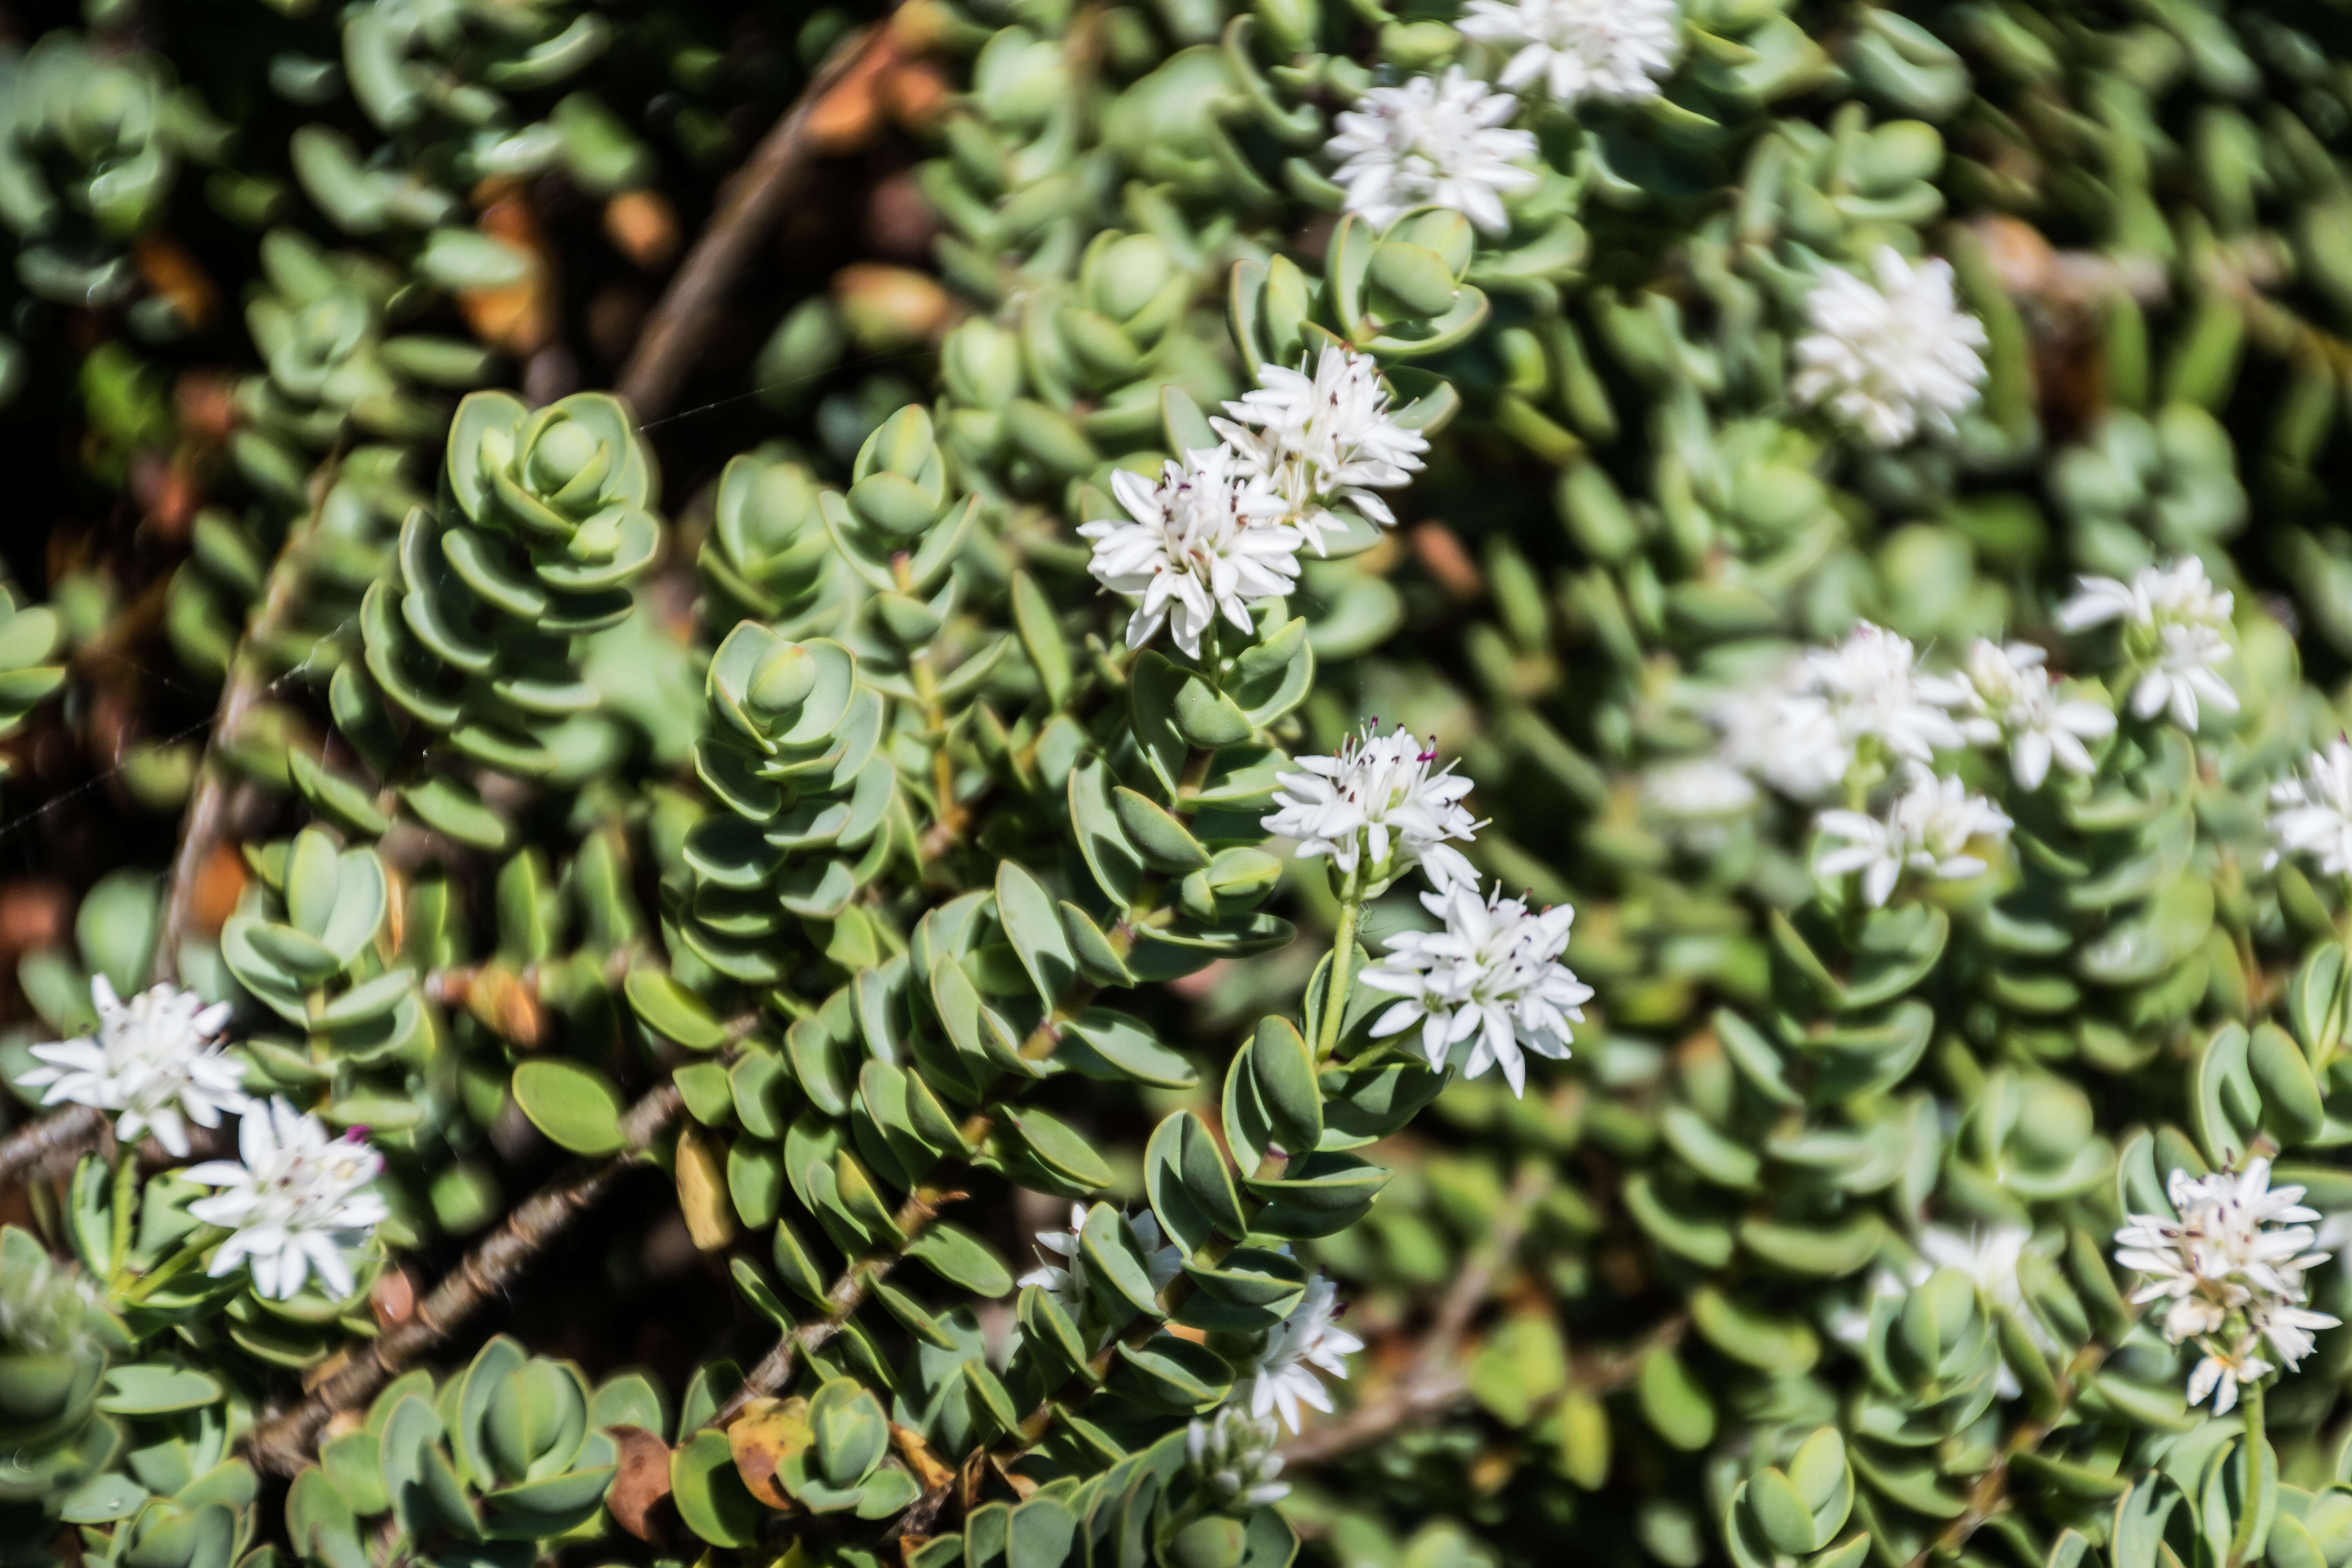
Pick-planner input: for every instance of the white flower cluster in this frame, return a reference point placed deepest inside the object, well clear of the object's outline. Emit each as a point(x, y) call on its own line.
point(1204, 541)
point(2312, 815)
point(1891, 357)
point(1220, 533)
point(1067, 1281)
point(1854, 714)
point(2176, 635)
point(2006, 695)
point(156, 1061)
point(293, 1201)
point(1378, 807)
point(1316, 439)
point(1492, 977)
point(1931, 829)
point(1583, 48)
point(2229, 1265)
point(1433, 142)
point(1282, 1377)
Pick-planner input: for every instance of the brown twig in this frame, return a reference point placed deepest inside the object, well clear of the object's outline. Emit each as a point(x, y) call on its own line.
point(283, 1445)
point(675, 331)
point(922, 1206)
point(207, 813)
point(1992, 1488)
point(36, 1143)
point(848, 1293)
point(1437, 1381)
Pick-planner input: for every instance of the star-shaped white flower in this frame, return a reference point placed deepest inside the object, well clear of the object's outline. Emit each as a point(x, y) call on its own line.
point(294, 1200)
point(1206, 539)
point(1282, 1377)
point(1433, 142)
point(1323, 439)
point(1932, 830)
point(2006, 693)
point(2175, 633)
point(1869, 688)
point(1893, 357)
point(156, 1060)
point(1492, 977)
point(1378, 804)
point(1583, 48)
point(2312, 815)
point(2221, 1373)
point(1234, 1455)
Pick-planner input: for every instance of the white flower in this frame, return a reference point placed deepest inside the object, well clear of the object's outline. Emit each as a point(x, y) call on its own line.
point(2175, 633)
point(2007, 692)
point(2233, 1245)
point(1066, 1281)
point(1493, 973)
point(1793, 746)
point(1323, 438)
point(1378, 803)
point(2313, 815)
point(2222, 1371)
point(1891, 358)
point(1583, 48)
point(294, 1199)
point(1205, 539)
point(156, 1059)
point(1283, 1376)
point(1928, 829)
point(1235, 1455)
point(1865, 689)
point(1432, 142)
point(1697, 789)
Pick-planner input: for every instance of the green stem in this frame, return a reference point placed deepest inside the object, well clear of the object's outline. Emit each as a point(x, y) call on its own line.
point(1343, 964)
point(172, 1267)
point(126, 1204)
point(2257, 1465)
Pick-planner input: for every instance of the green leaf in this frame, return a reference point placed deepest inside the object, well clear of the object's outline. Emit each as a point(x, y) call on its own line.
point(1185, 1178)
point(148, 1390)
point(672, 1011)
point(1041, 636)
point(1058, 1149)
point(711, 1498)
point(576, 1106)
point(1126, 1050)
point(452, 807)
point(1282, 1069)
point(1674, 1402)
point(1164, 843)
point(962, 1259)
point(1034, 928)
point(1115, 1259)
point(1152, 685)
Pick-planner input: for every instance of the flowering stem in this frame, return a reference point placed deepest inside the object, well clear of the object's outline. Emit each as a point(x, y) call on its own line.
point(1343, 967)
point(126, 1199)
point(191, 1253)
point(2259, 1478)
